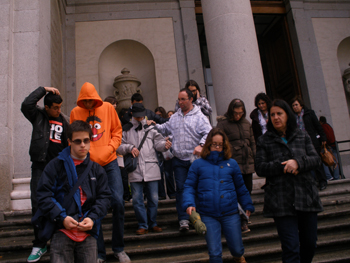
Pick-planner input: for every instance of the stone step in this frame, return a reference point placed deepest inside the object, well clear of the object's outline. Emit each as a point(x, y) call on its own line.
point(336, 193)
point(261, 243)
point(192, 247)
point(331, 218)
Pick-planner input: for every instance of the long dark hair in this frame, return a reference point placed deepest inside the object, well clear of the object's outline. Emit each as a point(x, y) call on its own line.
point(291, 122)
point(262, 96)
point(162, 111)
point(234, 104)
point(206, 147)
point(191, 82)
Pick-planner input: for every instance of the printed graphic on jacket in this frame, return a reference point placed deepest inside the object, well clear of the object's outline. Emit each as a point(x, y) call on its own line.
point(95, 124)
point(56, 131)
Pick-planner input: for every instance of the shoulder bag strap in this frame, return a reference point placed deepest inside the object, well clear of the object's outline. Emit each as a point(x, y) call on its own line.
point(143, 139)
point(77, 184)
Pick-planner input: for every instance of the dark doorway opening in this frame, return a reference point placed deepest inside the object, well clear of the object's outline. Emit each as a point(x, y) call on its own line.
point(276, 52)
point(277, 57)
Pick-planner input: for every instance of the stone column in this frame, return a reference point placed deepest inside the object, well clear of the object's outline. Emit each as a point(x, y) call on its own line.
point(192, 48)
point(30, 66)
point(233, 52)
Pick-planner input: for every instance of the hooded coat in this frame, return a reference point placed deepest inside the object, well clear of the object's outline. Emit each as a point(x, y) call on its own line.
point(147, 166)
point(241, 138)
point(215, 186)
point(105, 124)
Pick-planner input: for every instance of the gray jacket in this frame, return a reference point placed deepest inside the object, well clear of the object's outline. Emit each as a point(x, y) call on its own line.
point(147, 168)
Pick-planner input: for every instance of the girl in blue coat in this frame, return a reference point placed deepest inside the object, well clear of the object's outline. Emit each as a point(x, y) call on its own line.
point(213, 188)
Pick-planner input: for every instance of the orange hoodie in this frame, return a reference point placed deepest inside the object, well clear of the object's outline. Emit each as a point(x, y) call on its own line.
point(105, 124)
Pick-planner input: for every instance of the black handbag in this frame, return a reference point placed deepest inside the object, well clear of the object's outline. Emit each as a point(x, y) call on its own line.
point(130, 162)
point(46, 227)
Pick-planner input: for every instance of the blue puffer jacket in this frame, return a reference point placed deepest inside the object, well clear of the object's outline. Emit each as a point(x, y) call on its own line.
point(216, 184)
point(56, 181)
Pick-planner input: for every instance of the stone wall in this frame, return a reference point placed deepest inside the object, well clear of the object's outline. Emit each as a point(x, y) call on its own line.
point(6, 86)
point(185, 37)
point(317, 29)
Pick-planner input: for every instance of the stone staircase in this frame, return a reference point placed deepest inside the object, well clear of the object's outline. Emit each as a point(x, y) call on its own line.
point(261, 244)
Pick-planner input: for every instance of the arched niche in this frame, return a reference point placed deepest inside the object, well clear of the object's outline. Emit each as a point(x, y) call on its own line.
point(343, 54)
point(138, 59)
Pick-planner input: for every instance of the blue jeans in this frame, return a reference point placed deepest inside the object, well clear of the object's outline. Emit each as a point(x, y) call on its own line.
point(180, 172)
point(169, 178)
point(65, 250)
point(328, 170)
point(298, 235)
point(146, 219)
point(231, 227)
point(116, 186)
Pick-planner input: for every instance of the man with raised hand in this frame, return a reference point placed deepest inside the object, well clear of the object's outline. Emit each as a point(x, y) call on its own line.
point(48, 139)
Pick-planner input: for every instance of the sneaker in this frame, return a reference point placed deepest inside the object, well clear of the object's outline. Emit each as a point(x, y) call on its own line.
point(123, 257)
point(184, 225)
point(36, 254)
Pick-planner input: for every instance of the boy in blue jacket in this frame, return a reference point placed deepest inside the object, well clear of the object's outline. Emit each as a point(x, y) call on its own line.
point(78, 222)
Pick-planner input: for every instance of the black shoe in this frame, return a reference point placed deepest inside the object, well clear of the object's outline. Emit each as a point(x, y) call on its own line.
point(323, 187)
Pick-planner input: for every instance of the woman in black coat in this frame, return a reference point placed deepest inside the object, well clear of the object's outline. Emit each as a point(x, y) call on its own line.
point(307, 121)
point(285, 157)
point(259, 115)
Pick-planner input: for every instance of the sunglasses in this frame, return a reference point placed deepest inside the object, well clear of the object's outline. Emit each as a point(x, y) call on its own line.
point(79, 141)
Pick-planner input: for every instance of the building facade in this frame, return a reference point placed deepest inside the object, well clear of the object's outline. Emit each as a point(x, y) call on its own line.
point(233, 49)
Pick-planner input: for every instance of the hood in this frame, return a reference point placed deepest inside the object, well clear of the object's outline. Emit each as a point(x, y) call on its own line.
point(191, 112)
point(88, 92)
point(215, 157)
point(220, 118)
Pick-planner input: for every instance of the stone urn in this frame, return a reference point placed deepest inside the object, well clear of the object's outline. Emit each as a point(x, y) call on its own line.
point(126, 85)
point(346, 80)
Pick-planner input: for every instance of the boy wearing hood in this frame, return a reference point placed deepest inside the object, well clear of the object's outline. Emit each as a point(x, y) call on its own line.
point(106, 138)
point(147, 173)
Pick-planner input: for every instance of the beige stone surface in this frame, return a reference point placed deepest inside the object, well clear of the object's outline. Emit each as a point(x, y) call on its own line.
point(156, 34)
point(233, 52)
point(329, 33)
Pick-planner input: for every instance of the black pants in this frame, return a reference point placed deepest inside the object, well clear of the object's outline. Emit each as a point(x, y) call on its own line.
point(248, 181)
point(126, 195)
point(36, 174)
point(298, 236)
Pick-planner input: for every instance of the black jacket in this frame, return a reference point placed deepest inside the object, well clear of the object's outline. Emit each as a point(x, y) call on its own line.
point(55, 183)
point(150, 115)
point(313, 128)
point(254, 115)
point(40, 141)
point(287, 193)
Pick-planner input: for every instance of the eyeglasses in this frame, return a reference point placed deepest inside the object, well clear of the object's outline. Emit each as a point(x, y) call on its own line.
point(182, 99)
point(79, 141)
point(238, 113)
point(217, 145)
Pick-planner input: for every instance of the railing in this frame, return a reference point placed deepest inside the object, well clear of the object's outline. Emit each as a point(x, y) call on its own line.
point(341, 173)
